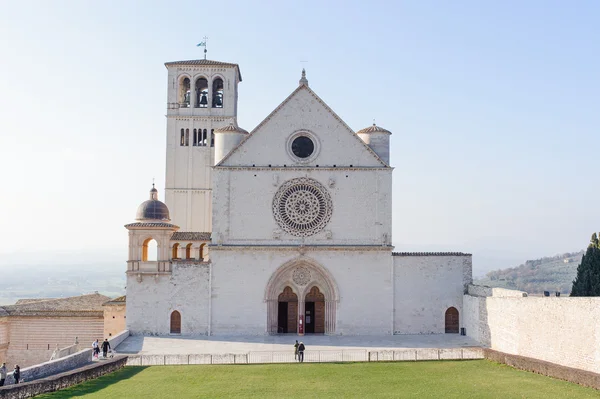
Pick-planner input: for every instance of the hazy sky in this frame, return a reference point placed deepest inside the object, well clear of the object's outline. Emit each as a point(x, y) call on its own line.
point(494, 109)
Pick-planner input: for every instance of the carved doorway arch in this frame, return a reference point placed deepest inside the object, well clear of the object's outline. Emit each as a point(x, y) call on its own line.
point(313, 283)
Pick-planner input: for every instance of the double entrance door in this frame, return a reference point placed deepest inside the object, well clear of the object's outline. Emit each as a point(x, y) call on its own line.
point(314, 312)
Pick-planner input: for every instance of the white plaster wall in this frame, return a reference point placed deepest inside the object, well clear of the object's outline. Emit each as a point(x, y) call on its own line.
point(240, 277)
point(151, 301)
point(338, 144)
point(425, 287)
point(362, 206)
point(560, 330)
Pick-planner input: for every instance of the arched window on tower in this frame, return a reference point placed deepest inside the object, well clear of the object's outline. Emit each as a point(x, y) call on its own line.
point(217, 93)
point(149, 250)
point(182, 139)
point(201, 93)
point(184, 93)
point(187, 137)
point(195, 137)
point(212, 137)
point(203, 140)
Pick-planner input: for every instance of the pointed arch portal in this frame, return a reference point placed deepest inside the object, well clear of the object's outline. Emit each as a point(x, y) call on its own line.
point(304, 288)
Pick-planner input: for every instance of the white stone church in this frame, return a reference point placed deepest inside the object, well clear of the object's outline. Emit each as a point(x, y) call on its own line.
point(286, 229)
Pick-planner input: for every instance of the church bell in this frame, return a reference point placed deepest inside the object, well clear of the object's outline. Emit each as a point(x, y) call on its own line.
point(203, 100)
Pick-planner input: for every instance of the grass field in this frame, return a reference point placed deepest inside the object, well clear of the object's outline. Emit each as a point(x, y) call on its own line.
point(445, 379)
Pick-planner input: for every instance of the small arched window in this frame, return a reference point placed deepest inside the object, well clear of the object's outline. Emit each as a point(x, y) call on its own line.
point(149, 250)
point(195, 138)
point(175, 322)
point(203, 140)
point(217, 93)
point(175, 254)
point(187, 137)
point(201, 93)
point(182, 139)
point(184, 93)
point(201, 253)
point(188, 251)
point(212, 137)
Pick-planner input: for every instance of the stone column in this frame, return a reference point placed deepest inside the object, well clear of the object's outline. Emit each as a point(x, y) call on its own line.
point(330, 317)
point(301, 313)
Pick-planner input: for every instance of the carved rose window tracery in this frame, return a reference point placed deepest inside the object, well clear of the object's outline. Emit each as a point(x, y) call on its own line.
point(302, 207)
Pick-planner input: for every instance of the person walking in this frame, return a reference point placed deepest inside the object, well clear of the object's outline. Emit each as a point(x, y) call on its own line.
point(296, 350)
point(17, 373)
point(301, 349)
point(2, 374)
point(96, 348)
point(105, 347)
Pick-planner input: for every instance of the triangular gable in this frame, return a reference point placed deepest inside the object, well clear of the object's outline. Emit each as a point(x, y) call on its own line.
point(303, 109)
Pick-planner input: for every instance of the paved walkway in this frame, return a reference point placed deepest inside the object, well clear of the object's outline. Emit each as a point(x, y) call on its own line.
point(173, 345)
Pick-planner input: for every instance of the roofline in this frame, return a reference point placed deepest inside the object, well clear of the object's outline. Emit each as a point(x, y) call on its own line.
point(220, 63)
point(336, 116)
point(431, 254)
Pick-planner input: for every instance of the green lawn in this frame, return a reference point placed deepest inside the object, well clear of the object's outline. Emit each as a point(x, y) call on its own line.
point(434, 379)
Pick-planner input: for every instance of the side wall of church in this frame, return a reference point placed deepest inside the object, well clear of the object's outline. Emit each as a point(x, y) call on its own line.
point(561, 330)
point(240, 277)
point(151, 301)
point(425, 287)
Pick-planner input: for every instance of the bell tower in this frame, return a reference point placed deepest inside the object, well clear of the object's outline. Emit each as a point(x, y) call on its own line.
point(202, 96)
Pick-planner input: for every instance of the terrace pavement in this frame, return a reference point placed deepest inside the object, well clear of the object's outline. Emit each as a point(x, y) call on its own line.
point(181, 345)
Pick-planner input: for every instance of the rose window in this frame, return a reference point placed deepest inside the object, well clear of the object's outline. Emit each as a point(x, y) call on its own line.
point(302, 207)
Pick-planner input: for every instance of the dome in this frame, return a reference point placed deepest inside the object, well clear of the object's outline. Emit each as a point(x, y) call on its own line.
point(231, 128)
point(373, 129)
point(153, 209)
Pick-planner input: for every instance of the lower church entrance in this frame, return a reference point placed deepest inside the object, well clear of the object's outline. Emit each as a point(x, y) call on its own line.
point(287, 312)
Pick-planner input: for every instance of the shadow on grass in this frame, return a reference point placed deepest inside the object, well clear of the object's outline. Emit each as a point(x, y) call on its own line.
point(96, 384)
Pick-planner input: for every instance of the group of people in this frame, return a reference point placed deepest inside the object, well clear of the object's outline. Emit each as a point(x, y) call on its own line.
point(299, 349)
point(16, 374)
point(105, 348)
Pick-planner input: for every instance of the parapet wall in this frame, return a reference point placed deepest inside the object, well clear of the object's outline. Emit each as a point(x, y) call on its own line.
point(560, 330)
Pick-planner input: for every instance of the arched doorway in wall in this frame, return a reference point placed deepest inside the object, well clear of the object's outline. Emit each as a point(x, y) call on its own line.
point(287, 312)
point(175, 250)
point(314, 285)
point(452, 321)
point(314, 311)
point(175, 322)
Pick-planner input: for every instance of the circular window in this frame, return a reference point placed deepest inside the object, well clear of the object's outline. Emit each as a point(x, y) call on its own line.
point(303, 147)
point(302, 207)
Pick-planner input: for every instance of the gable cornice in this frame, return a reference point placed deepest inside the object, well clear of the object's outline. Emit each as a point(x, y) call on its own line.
point(327, 107)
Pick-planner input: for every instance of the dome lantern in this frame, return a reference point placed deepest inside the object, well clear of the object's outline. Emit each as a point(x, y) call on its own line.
point(153, 209)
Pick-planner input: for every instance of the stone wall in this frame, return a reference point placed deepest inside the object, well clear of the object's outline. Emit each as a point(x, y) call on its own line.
point(114, 319)
point(3, 338)
point(560, 330)
point(151, 301)
point(425, 286)
point(34, 339)
point(62, 380)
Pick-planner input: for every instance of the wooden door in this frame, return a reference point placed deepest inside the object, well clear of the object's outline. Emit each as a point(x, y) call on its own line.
point(452, 321)
point(175, 322)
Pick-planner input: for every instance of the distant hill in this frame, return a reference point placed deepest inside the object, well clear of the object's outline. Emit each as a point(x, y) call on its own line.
point(555, 273)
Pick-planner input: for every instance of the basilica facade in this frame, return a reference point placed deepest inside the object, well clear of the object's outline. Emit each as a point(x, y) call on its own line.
point(286, 229)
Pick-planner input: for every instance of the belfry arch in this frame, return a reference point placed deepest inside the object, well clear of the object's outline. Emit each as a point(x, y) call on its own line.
point(313, 283)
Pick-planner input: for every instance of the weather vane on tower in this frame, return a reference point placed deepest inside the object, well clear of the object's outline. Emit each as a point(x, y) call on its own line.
point(203, 44)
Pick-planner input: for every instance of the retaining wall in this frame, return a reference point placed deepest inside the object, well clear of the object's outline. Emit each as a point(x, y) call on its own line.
point(62, 380)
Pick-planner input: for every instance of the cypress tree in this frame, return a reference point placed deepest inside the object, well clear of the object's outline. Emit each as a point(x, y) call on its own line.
point(587, 282)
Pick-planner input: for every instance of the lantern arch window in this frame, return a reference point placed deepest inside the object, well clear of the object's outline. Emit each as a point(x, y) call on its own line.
point(201, 92)
point(217, 93)
point(184, 92)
